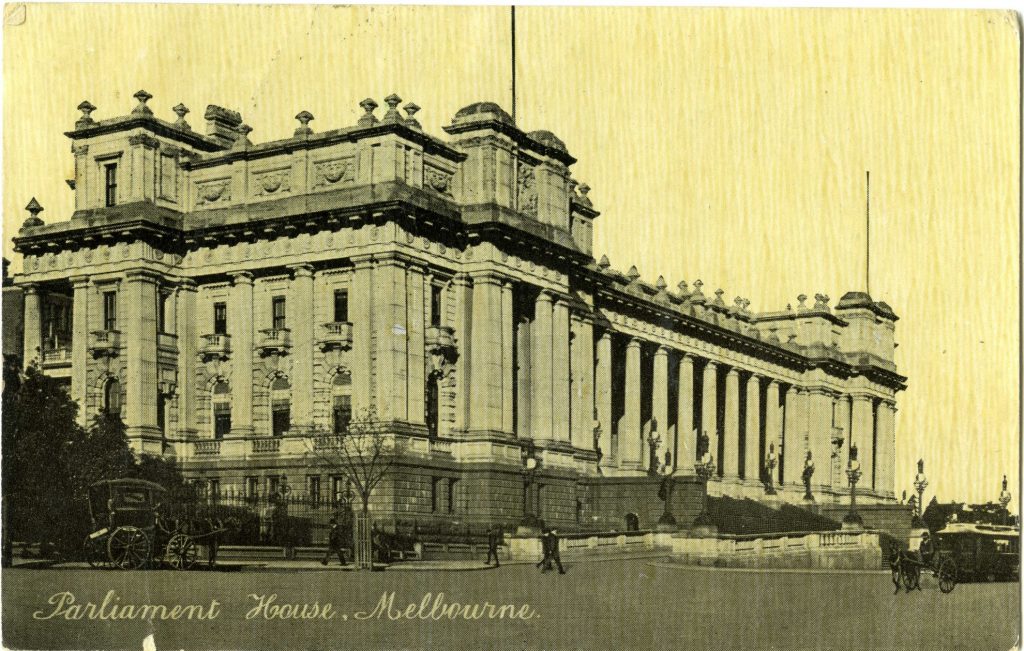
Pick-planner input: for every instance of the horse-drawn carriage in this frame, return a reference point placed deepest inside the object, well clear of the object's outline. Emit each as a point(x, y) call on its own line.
point(907, 566)
point(961, 552)
point(131, 531)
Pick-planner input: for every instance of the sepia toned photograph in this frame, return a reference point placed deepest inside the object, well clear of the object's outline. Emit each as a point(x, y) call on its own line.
point(411, 327)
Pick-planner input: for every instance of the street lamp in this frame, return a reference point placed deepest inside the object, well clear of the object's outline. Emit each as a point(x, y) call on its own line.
point(770, 461)
point(704, 468)
point(530, 522)
point(653, 440)
point(1004, 500)
point(920, 483)
point(852, 520)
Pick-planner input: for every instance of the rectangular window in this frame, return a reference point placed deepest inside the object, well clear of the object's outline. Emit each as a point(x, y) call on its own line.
point(110, 310)
point(273, 483)
point(281, 418)
point(435, 305)
point(342, 413)
point(161, 413)
point(278, 305)
point(220, 318)
point(314, 489)
point(337, 488)
point(161, 311)
point(340, 306)
point(221, 419)
point(252, 487)
point(214, 489)
point(110, 183)
point(451, 495)
point(434, 481)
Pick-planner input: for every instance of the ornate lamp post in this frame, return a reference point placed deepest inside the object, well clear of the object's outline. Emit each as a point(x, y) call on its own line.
point(770, 461)
point(806, 476)
point(920, 483)
point(597, 441)
point(530, 523)
point(703, 525)
point(653, 440)
point(853, 519)
point(1004, 500)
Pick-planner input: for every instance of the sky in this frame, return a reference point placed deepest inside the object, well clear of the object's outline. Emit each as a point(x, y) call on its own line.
point(721, 144)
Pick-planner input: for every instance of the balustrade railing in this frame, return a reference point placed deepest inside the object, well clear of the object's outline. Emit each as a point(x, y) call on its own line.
point(266, 446)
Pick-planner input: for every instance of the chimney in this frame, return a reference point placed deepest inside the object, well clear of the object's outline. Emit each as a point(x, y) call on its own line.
point(223, 125)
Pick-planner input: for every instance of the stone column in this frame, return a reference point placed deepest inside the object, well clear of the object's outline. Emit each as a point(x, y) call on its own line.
point(418, 305)
point(603, 395)
point(795, 447)
point(819, 434)
point(864, 436)
point(463, 293)
point(541, 350)
point(659, 404)
point(507, 325)
point(709, 409)
point(185, 327)
point(80, 347)
point(33, 325)
point(300, 304)
point(630, 444)
point(486, 409)
point(582, 382)
point(772, 428)
point(240, 328)
point(752, 443)
point(561, 398)
point(885, 455)
point(731, 450)
point(684, 424)
point(140, 356)
point(391, 330)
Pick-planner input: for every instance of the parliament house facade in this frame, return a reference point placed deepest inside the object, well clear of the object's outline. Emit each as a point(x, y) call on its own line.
point(234, 301)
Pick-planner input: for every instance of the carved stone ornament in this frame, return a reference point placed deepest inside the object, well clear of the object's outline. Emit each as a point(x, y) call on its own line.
point(438, 180)
point(273, 182)
point(341, 170)
point(213, 191)
point(527, 190)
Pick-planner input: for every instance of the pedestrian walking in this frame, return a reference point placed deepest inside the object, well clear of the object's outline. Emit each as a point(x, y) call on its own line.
point(493, 541)
point(553, 554)
point(545, 562)
point(214, 525)
point(334, 543)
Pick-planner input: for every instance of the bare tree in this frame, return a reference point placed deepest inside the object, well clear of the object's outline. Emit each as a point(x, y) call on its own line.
point(365, 452)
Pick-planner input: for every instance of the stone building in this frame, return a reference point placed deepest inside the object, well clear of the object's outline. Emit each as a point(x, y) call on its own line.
point(233, 300)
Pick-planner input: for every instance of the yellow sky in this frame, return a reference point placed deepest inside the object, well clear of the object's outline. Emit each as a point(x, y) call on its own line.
point(725, 145)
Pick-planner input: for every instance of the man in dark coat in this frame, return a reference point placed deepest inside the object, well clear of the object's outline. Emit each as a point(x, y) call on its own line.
point(550, 545)
point(334, 543)
point(493, 541)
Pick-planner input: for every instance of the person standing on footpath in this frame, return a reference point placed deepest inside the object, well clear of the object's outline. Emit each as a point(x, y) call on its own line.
point(493, 541)
point(334, 543)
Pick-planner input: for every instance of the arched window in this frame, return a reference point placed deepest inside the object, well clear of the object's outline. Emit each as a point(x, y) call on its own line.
point(112, 397)
point(341, 401)
point(280, 405)
point(221, 399)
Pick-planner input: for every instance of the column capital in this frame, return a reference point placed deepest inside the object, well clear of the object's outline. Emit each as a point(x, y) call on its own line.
point(606, 334)
point(634, 342)
point(461, 279)
point(686, 357)
point(662, 350)
point(711, 364)
point(241, 278)
point(142, 276)
point(772, 382)
point(78, 282)
point(754, 378)
point(488, 277)
point(860, 396)
point(186, 285)
point(30, 289)
point(545, 296)
point(302, 270)
point(733, 372)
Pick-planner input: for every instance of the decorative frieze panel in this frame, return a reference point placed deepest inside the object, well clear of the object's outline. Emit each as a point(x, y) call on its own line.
point(338, 171)
point(527, 189)
point(211, 192)
point(438, 180)
point(274, 182)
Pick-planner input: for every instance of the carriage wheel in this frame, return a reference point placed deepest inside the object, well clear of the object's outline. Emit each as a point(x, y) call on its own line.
point(128, 548)
point(947, 576)
point(910, 576)
point(181, 552)
point(95, 554)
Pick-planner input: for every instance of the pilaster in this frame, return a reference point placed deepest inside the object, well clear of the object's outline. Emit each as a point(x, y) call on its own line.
point(603, 395)
point(863, 435)
point(820, 434)
point(507, 324)
point(542, 369)
point(794, 445)
point(80, 346)
point(486, 410)
point(185, 297)
point(140, 355)
point(582, 346)
point(240, 328)
point(561, 397)
point(885, 454)
point(33, 339)
point(300, 303)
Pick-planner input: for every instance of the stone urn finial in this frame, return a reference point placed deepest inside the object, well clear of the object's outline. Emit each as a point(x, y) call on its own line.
point(304, 118)
point(583, 198)
point(411, 109)
point(718, 296)
point(86, 108)
point(633, 274)
point(604, 263)
point(243, 141)
point(684, 289)
point(369, 119)
point(181, 111)
point(801, 299)
point(661, 284)
point(392, 115)
point(142, 109)
point(34, 209)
